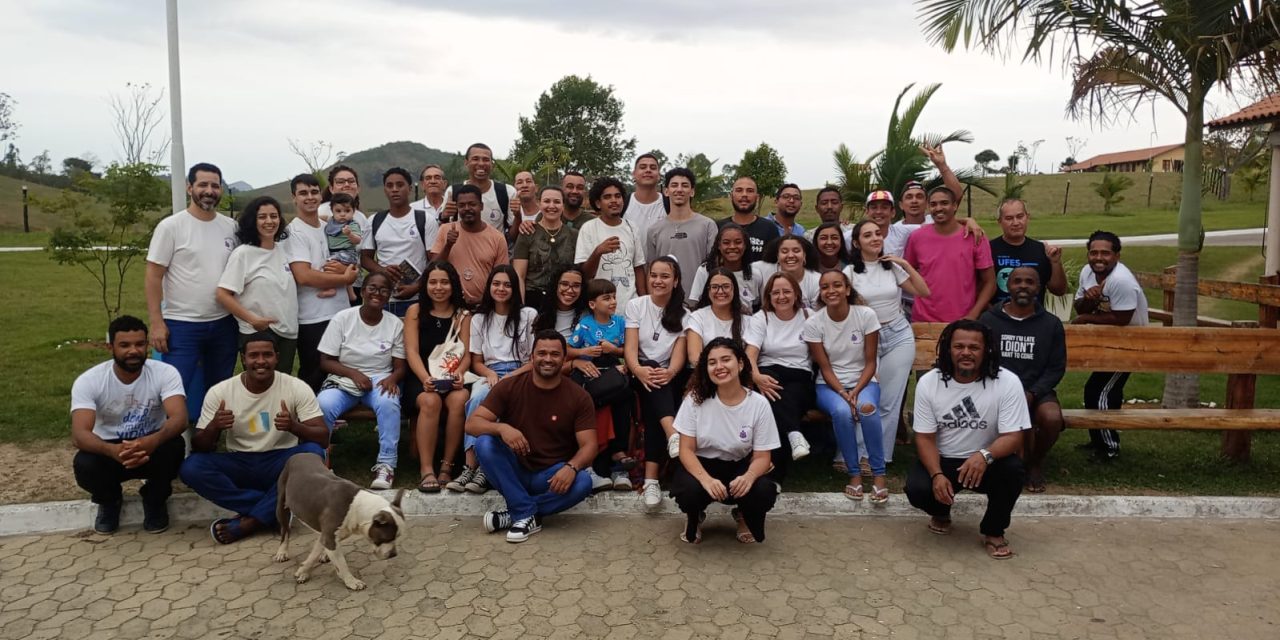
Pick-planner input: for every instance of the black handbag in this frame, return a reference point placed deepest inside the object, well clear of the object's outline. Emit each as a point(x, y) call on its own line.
point(607, 388)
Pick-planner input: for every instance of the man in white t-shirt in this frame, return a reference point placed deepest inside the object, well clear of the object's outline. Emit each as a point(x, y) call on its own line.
point(1109, 293)
point(646, 206)
point(308, 249)
point(394, 244)
point(188, 252)
point(499, 200)
point(268, 417)
point(969, 417)
point(609, 247)
point(127, 419)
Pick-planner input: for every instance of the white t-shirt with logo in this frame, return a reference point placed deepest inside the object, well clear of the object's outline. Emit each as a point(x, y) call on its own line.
point(490, 340)
point(309, 244)
point(397, 241)
point(708, 327)
point(747, 289)
point(644, 216)
point(265, 285)
point(490, 212)
point(194, 252)
point(968, 417)
point(845, 341)
point(126, 411)
point(656, 343)
point(254, 429)
point(618, 267)
point(781, 342)
point(880, 288)
point(1120, 292)
point(367, 349)
point(432, 227)
point(729, 432)
point(810, 284)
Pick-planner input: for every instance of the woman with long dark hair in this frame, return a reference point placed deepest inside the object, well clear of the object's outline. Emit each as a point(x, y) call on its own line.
point(655, 355)
point(719, 313)
point(730, 250)
point(256, 285)
point(828, 239)
point(562, 310)
point(726, 432)
point(441, 311)
point(781, 367)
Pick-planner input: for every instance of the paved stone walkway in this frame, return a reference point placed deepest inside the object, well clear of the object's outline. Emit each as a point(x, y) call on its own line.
point(626, 576)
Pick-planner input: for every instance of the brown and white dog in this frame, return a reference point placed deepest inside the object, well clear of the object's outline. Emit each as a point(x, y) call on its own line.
point(337, 509)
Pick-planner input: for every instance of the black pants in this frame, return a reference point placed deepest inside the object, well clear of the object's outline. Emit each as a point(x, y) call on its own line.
point(797, 398)
point(654, 406)
point(622, 411)
point(101, 475)
point(1002, 483)
point(309, 354)
point(1105, 390)
point(694, 500)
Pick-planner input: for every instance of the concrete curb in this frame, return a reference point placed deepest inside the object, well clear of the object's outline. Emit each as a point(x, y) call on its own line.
point(72, 515)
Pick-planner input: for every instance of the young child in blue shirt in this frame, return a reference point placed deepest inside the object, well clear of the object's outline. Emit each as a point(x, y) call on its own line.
point(599, 337)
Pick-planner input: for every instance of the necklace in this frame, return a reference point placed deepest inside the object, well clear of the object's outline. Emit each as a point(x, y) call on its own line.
point(552, 236)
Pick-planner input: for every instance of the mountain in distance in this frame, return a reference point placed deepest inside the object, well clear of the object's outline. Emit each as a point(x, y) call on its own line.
point(240, 186)
point(369, 164)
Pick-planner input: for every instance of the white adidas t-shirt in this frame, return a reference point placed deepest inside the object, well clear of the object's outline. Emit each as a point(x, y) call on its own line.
point(262, 280)
point(726, 432)
point(781, 342)
point(968, 417)
point(644, 216)
point(309, 244)
point(618, 267)
point(126, 411)
point(491, 341)
point(656, 343)
point(194, 252)
point(367, 349)
point(491, 213)
point(845, 341)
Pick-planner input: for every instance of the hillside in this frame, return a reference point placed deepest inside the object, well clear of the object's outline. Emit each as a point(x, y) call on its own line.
point(370, 164)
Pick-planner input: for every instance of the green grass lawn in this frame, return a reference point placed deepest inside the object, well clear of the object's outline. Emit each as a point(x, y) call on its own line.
point(56, 327)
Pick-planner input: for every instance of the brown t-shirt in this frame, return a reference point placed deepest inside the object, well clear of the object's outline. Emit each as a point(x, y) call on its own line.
point(548, 418)
point(474, 255)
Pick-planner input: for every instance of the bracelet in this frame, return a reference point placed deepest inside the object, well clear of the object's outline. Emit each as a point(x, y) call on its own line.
point(935, 475)
point(575, 469)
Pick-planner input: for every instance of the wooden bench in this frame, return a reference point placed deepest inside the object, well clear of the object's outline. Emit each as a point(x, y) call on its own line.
point(1241, 353)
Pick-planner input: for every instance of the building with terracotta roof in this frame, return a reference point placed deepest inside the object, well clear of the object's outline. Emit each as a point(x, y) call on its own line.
point(1165, 159)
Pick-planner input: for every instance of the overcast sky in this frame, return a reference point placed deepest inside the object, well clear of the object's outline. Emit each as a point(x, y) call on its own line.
point(716, 77)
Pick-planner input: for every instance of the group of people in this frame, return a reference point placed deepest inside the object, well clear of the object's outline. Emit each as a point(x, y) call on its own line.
point(530, 324)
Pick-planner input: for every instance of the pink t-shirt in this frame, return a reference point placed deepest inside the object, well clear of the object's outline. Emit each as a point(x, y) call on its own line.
point(949, 265)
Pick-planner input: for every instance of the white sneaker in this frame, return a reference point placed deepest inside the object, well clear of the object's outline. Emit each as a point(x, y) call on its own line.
point(621, 480)
point(673, 445)
point(799, 446)
point(598, 483)
point(383, 477)
point(523, 528)
point(652, 493)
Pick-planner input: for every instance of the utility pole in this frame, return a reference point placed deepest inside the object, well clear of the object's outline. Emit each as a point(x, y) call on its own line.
point(177, 159)
point(26, 224)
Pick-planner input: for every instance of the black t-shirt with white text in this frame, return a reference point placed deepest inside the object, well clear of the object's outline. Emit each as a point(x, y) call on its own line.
point(1007, 257)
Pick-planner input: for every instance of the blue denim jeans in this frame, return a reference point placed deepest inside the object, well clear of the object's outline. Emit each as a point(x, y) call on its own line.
point(333, 402)
point(896, 356)
point(399, 307)
point(240, 481)
point(527, 492)
point(204, 353)
point(834, 405)
point(480, 391)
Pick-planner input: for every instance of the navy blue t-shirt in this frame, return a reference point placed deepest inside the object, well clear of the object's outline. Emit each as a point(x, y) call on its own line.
point(1008, 257)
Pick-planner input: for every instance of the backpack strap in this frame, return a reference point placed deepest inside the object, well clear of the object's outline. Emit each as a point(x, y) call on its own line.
point(378, 218)
point(420, 219)
point(666, 204)
point(504, 202)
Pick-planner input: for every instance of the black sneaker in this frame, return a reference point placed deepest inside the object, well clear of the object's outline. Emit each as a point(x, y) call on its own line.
point(523, 528)
point(155, 517)
point(497, 520)
point(108, 518)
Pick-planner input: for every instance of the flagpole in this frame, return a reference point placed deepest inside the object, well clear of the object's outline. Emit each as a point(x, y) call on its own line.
point(177, 180)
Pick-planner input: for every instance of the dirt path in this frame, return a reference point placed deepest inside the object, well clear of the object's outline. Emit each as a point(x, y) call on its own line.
point(41, 472)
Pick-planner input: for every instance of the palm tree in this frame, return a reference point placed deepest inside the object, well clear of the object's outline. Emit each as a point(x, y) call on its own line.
point(853, 177)
point(1125, 53)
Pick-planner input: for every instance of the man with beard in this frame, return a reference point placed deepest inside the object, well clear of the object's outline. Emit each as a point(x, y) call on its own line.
point(788, 200)
point(188, 252)
point(536, 439)
point(472, 246)
point(269, 417)
point(830, 206)
point(127, 419)
point(958, 271)
point(498, 200)
point(395, 238)
point(970, 415)
point(760, 232)
point(647, 206)
point(574, 187)
point(1108, 294)
point(1034, 347)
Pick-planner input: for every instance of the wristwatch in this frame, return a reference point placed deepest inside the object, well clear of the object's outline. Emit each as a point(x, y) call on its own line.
point(986, 455)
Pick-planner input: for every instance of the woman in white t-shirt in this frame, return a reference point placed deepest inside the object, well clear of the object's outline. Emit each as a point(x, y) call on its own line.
point(257, 286)
point(880, 279)
point(501, 332)
point(794, 256)
point(362, 350)
point(727, 434)
point(565, 308)
point(655, 355)
point(719, 314)
point(842, 338)
point(730, 252)
point(780, 364)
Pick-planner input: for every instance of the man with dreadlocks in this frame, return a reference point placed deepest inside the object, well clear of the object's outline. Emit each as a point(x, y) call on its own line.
point(970, 415)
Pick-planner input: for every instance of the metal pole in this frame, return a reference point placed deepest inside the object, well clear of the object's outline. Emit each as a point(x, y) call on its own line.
point(177, 159)
point(1151, 183)
point(26, 224)
point(1273, 209)
point(1065, 197)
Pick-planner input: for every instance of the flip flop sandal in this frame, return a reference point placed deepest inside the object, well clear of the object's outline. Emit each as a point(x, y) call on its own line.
point(233, 531)
point(625, 463)
point(745, 537)
point(1035, 484)
point(879, 495)
point(696, 540)
point(998, 550)
point(429, 484)
point(853, 491)
point(940, 527)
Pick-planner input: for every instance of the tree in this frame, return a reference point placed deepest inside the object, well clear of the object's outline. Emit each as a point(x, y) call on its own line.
point(985, 158)
point(585, 117)
point(1253, 178)
point(708, 186)
point(12, 158)
point(853, 177)
point(41, 165)
point(1125, 53)
point(316, 155)
point(8, 128)
point(136, 117)
point(1067, 163)
point(764, 165)
point(72, 166)
point(901, 159)
point(107, 244)
point(1013, 188)
point(1075, 146)
point(1110, 188)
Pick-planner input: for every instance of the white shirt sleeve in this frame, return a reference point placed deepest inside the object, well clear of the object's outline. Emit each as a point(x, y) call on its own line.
point(699, 282)
point(170, 382)
point(233, 274)
point(1014, 415)
point(585, 244)
point(161, 249)
point(631, 313)
point(82, 396)
point(477, 333)
point(753, 334)
point(925, 421)
point(397, 344)
point(211, 400)
point(331, 341)
point(1124, 296)
point(765, 434)
point(812, 331)
point(640, 258)
point(686, 422)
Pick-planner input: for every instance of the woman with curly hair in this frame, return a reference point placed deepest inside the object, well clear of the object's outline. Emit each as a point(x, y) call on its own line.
point(256, 285)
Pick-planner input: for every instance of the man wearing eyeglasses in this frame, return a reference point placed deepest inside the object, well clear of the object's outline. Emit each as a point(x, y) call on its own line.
point(432, 202)
point(788, 207)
